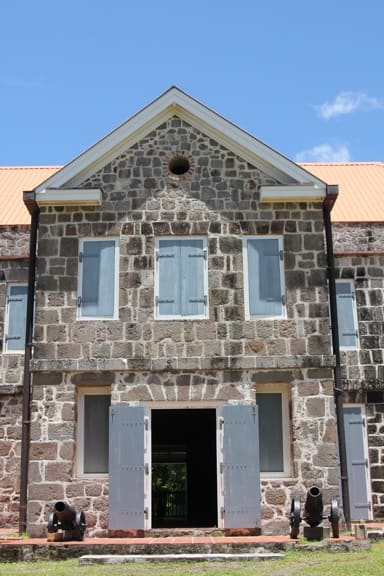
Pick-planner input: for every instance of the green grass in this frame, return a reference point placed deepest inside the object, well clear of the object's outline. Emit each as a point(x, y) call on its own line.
point(301, 563)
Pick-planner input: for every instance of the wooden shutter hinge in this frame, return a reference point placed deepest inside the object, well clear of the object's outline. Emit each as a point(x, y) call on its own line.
point(8, 338)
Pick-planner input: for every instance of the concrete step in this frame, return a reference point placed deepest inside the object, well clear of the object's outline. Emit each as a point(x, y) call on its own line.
point(114, 559)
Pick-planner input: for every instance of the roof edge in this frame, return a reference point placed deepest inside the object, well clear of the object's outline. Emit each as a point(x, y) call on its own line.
point(145, 119)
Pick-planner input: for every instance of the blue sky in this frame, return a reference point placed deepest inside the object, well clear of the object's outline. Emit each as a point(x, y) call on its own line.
point(304, 76)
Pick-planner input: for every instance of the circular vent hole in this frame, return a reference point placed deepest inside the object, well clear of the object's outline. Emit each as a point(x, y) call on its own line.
point(179, 165)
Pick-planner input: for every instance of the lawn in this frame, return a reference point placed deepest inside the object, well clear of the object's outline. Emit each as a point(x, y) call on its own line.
point(363, 563)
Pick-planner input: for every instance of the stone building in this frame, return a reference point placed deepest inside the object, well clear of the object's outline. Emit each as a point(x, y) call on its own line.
point(358, 231)
point(182, 369)
point(14, 255)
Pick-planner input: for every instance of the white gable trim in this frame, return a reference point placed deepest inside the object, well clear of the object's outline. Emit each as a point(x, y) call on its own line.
point(294, 193)
point(176, 102)
point(69, 197)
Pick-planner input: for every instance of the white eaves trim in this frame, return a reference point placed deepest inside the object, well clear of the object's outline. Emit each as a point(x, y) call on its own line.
point(69, 197)
point(176, 102)
point(297, 193)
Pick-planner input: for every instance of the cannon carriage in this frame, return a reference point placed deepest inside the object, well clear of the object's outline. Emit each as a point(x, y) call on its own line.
point(313, 515)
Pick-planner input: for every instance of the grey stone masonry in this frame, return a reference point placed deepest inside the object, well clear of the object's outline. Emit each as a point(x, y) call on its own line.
point(14, 247)
point(54, 471)
point(140, 359)
point(220, 202)
point(358, 236)
point(364, 367)
point(375, 429)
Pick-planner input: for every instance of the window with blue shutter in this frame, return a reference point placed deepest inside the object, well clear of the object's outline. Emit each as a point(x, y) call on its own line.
point(263, 263)
point(181, 287)
point(96, 433)
point(272, 402)
point(98, 279)
point(346, 314)
point(15, 321)
point(271, 432)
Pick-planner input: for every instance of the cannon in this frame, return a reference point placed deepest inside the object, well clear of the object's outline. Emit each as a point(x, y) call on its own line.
point(313, 508)
point(313, 515)
point(68, 521)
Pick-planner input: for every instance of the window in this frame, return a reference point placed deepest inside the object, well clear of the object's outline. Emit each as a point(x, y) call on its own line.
point(181, 278)
point(264, 273)
point(93, 431)
point(346, 314)
point(98, 279)
point(273, 430)
point(15, 318)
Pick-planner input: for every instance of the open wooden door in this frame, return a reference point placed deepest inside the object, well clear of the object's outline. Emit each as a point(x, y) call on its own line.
point(241, 468)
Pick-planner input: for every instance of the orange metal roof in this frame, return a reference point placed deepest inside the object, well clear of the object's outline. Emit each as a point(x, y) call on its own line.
point(361, 189)
point(14, 180)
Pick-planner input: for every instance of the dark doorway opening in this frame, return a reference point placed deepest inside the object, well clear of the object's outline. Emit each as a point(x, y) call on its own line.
point(184, 468)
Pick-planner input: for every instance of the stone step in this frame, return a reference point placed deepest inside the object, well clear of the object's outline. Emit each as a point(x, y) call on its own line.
point(114, 559)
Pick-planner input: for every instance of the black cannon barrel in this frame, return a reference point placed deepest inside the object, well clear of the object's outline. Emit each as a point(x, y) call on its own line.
point(313, 508)
point(66, 515)
point(67, 519)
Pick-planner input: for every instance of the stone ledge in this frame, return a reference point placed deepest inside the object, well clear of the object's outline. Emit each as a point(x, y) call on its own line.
point(27, 550)
point(118, 559)
point(183, 363)
point(11, 389)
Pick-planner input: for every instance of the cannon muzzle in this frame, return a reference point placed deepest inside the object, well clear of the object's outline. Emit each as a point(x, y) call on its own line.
point(68, 520)
point(313, 508)
point(66, 515)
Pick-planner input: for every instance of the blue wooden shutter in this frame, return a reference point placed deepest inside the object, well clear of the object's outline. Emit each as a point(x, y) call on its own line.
point(193, 257)
point(345, 315)
point(169, 263)
point(271, 432)
point(98, 289)
point(356, 463)
point(241, 467)
point(126, 468)
point(17, 310)
point(264, 278)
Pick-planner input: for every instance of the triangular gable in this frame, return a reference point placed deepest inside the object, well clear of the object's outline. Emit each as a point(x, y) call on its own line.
point(296, 183)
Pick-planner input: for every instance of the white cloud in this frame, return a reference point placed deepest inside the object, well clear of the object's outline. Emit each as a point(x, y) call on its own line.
point(324, 153)
point(348, 102)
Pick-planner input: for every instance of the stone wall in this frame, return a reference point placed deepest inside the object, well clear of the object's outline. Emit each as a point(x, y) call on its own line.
point(358, 236)
point(14, 241)
point(364, 367)
point(10, 443)
point(53, 468)
point(14, 247)
point(222, 358)
point(375, 429)
point(219, 201)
